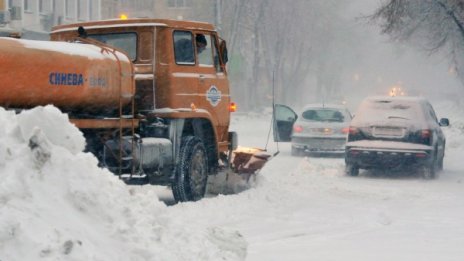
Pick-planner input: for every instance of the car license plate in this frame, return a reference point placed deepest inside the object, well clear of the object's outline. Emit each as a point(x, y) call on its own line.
point(323, 130)
point(388, 132)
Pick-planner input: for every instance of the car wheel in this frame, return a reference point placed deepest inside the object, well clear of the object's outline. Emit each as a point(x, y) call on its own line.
point(351, 170)
point(429, 171)
point(297, 152)
point(440, 161)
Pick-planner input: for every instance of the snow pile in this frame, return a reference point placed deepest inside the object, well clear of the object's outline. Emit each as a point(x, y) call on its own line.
point(57, 204)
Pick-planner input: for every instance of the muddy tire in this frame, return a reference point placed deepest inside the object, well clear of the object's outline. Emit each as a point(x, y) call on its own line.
point(191, 171)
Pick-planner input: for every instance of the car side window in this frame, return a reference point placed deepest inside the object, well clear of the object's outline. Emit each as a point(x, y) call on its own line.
point(284, 115)
point(183, 48)
point(431, 113)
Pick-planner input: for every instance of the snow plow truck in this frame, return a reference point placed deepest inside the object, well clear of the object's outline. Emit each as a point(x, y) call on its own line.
point(151, 97)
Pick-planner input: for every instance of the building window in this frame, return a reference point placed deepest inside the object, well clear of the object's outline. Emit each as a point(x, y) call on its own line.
point(91, 14)
point(69, 8)
point(45, 6)
point(179, 3)
point(81, 7)
point(27, 5)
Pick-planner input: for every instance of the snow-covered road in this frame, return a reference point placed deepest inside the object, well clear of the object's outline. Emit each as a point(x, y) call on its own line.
point(307, 209)
point(56, 204)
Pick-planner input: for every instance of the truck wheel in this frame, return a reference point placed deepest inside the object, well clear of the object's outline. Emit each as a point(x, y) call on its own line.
point(351, 170)
point(191, 171)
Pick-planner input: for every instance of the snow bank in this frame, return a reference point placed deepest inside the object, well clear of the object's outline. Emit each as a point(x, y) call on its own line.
point(57, 204)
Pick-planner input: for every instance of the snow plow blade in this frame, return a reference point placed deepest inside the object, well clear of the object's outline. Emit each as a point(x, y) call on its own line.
point(248, 161)
point(244, 164)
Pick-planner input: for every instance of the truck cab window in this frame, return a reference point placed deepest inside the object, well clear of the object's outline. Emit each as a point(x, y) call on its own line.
point(183, 48)
point(217, 63)
point(204, 50)
point(126, 42)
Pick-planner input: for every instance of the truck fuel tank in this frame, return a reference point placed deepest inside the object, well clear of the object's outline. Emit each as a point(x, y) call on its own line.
point(75, 77)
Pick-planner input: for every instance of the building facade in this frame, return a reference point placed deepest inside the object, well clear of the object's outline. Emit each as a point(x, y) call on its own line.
point(33, 19)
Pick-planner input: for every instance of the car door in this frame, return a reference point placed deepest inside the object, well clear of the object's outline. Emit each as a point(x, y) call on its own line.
point(283, 119)
point(435, 125)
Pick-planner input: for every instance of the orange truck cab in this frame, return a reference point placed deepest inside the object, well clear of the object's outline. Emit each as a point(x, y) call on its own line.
point(150, 95)
point(181, 100)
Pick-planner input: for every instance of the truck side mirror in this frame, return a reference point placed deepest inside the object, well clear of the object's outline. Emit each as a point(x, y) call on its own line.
point(223, 50)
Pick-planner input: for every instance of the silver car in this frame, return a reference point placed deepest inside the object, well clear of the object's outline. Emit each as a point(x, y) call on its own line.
point(321, 129)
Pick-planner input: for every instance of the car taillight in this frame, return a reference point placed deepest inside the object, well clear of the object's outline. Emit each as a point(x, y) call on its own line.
point(346, 130)
point(425, 136)
point(353, 130)
point(354, 134)
point(297, 128)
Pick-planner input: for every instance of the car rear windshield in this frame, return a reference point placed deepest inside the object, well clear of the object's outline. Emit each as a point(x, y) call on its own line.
point(330, 115)
point(389, 109)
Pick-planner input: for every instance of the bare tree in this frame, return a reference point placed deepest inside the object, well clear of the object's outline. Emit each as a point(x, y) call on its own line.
point(293, 39)
point(432, 25)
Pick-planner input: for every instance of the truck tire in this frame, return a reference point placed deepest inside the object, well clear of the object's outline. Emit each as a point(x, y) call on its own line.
point(191, 171)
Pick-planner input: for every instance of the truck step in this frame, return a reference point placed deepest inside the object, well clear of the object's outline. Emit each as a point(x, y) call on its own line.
point(135, 179)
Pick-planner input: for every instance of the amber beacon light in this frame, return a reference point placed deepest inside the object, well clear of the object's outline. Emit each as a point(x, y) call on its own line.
point(232, 107)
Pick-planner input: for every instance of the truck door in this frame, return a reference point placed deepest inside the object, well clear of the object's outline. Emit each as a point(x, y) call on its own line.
point(213, 84)
point(283, 119)
point(185, 74)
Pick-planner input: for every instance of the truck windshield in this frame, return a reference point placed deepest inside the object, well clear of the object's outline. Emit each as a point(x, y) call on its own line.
point(126, 42)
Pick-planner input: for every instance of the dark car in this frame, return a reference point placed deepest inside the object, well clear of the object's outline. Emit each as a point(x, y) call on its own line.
point(395, 133)
point(319, 128)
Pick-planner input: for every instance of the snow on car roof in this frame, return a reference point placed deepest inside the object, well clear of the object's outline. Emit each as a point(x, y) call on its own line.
point(384, 108)
point(397, 98)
